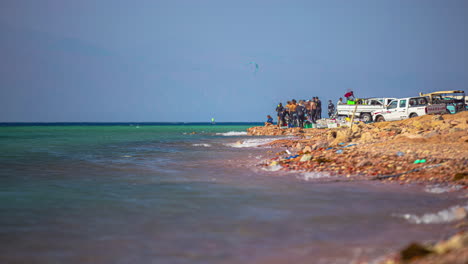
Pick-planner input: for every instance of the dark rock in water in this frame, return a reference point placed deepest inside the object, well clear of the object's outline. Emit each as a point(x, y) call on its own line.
point(414, 251)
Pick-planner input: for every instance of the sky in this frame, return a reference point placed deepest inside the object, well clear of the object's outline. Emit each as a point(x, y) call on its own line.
point(188, 61)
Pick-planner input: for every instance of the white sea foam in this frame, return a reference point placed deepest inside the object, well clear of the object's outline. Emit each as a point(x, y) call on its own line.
point(202, 145)
point(313, 175)
point(451, 214)
point(250, 143)
point(272, 168)
point(442, 189)
point(232, 133)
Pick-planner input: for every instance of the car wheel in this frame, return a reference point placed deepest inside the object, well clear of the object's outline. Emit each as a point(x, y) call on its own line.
point(413, 115)
point(366, 117)
point(380, 119)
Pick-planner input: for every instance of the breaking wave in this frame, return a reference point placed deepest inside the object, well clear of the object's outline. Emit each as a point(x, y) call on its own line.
point(250, 143)
point(312, 176)
point(272, 168)
point(202, 145)
point(442, 189)
point(451, 214)
point(232, 133)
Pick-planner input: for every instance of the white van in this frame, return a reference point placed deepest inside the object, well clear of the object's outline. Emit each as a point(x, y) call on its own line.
point(403, 108)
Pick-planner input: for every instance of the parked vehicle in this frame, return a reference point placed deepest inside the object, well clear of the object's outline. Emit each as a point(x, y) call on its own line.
point(409, 107)
point(363, 108)
point(455, 100)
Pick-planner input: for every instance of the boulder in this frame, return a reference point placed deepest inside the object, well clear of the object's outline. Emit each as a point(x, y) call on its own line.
point(305, 158)
point(307, 149)
point(455, 242)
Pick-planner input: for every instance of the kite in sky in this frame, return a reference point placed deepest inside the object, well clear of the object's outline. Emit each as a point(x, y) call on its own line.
point(255, 65)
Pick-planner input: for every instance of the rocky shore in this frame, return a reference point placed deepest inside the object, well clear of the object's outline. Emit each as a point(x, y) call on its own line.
point(430, 149)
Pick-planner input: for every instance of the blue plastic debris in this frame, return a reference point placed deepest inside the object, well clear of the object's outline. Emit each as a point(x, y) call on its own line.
point(292, 157)
point(399, 154)
point(339, 151)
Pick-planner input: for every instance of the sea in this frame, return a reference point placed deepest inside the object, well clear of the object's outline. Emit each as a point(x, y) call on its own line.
point(193, 193)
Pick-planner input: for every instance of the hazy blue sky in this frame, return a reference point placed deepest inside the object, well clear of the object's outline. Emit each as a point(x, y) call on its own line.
point(150, 60)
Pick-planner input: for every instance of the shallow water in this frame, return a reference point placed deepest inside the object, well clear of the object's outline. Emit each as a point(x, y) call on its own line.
point(160, 194)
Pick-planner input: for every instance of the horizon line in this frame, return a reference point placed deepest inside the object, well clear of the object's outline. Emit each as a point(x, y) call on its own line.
point(126, 122)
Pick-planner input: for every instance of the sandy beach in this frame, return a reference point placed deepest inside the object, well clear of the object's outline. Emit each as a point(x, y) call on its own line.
point(431, 150)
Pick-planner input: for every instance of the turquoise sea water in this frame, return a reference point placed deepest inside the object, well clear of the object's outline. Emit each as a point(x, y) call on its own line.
point(186, 194)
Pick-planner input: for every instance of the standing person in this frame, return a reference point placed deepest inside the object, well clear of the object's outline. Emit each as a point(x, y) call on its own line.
point(308, 110)
point(313, 110)
point(331, 108)
point(300, 109)
point(287, 115)
point(280, 111)
point(293, 112)
point(319, 108)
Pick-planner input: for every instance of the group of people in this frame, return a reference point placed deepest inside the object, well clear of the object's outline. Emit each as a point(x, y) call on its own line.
point(297, 114)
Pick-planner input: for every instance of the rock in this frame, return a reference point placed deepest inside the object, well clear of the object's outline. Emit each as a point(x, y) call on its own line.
point(432, 134)
point(306, 157)
point(367, 136)
point(320, 144)
point(463, 125)
point(455, 242)
point(307, 149)
point(460, 213)
point(414, 251)
point(364, 163)
point(460, 176)
point(341, 136)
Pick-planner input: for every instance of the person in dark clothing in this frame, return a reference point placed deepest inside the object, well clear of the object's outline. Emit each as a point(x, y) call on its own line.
point(331, 108)
point(319, 109)
point(287, 115)
point(300, 110)
point(280, 110)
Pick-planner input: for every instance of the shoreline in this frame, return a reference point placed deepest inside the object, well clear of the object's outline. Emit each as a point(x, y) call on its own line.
point(426, 149)
point(430, 150)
